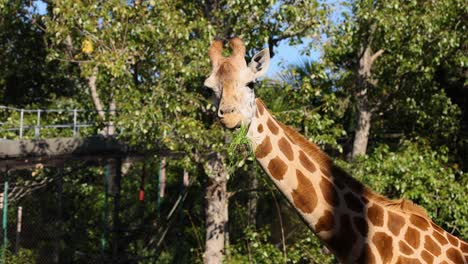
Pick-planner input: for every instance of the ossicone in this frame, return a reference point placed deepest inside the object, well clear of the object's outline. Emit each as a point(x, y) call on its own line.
point(215, 51)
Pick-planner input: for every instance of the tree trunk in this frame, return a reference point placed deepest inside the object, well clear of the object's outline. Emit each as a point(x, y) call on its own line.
point(216, 209)
point(253, 200)
point(361, 136)
point(365, 82)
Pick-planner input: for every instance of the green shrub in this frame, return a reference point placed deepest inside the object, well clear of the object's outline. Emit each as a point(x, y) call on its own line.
point(421, 174)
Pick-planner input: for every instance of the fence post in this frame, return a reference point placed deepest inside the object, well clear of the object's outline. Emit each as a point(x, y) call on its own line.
point(5, 217)
point(161, 184)
point(74, 122)
point(116, 251)
point(18, 228)
point(21, 123)
point(105, 216)
point(37, 131)
point(1, 210)
point(58, 223)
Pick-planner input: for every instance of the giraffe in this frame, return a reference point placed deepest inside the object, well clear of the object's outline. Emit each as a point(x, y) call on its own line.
point(355, 223)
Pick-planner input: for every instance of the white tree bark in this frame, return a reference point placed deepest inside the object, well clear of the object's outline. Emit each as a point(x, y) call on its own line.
point(364, 83)
point(361, 136)
point(94, 94)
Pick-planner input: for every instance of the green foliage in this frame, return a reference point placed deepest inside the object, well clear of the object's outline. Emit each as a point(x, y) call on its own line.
point(256, 247)
point(305, 100)
point(422, 62)
point(239, 150)
point(421, 174)
point(24, 256)
point(440, 122)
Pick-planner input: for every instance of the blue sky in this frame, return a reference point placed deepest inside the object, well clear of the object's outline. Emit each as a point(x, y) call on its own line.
point(286, 55)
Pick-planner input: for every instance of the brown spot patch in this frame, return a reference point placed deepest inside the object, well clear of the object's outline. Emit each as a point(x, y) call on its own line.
point(273, 128)
point(364, 200)
point(384, 245)
point(339, 184)
point(405, 260)
point(347, 180)
point(353, 203)
point(412, 237)
point(260, 128)
point(325, 172)
point(375, 214)
point(464, 247)
point(454, 255)
point(395, 222)
point(285, 147)
point(428, 258)
point(329, 192)
point(264, 148)
point(419, 222)
point(277, 168)
point(304, 197)
point(407, 250)
point(260, 107)
point(442, 240)
point(431, 246)
point(325, 222)
point(344, 240)
point(361, 225)
point(366, 255)
point(453, 240)
point(438, 228)
point(305, 161)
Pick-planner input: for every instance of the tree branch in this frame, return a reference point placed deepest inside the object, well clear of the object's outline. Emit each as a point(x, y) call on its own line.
point(281, 226)
point(94, 94)
point(376, 55)
point(231, 194)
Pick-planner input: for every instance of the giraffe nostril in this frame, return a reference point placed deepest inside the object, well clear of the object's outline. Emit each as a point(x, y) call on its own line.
point(225, 110)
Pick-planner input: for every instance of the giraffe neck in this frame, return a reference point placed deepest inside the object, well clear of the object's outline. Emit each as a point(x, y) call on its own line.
point(356, 224)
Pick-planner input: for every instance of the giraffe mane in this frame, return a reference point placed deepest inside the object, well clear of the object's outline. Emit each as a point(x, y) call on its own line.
point(404, 205)
point(327, 165)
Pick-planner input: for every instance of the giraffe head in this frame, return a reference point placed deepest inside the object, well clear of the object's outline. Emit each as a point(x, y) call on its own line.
point(231, 78)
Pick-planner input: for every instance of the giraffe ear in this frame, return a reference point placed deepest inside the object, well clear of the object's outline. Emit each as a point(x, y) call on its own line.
point(260, 62)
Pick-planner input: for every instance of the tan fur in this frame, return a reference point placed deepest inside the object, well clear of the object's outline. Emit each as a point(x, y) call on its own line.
point(214, 52)
point(227, 72)
point(238, 48)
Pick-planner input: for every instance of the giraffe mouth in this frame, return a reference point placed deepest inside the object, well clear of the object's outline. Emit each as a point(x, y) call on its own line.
point(232, 121)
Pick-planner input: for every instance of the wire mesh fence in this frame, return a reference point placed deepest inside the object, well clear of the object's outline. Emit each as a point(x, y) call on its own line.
point(72, 214)
point(79, 210)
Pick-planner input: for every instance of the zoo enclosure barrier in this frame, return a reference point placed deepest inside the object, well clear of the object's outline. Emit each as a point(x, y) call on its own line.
point(19, 120)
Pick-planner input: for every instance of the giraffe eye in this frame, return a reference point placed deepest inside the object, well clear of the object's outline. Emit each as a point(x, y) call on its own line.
point(251, 84)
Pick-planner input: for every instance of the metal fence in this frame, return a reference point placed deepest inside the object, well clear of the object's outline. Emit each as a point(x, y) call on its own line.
point(50, 225)
point(20, 121)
